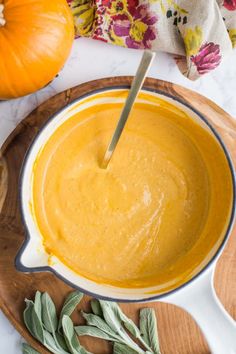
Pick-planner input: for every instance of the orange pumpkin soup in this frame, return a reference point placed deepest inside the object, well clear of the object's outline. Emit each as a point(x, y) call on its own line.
point(154, 217)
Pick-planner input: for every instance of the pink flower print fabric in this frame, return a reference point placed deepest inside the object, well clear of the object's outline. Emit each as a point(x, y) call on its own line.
point(208, 58)
point(199, 43)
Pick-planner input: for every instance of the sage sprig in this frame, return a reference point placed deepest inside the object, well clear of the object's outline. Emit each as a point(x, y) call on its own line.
point(107, 321)
point(71, 338)
point(113, 325)
point(70, 304)
point(27, 349)
point(148, 328)
point(41, 320)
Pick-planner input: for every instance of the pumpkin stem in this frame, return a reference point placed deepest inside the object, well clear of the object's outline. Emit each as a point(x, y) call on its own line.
point(2, 19)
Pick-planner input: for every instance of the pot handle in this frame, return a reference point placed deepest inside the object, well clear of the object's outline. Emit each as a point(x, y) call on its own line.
point(200, 300)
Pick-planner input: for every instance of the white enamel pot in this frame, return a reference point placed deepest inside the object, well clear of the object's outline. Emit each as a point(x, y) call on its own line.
point(197, 296)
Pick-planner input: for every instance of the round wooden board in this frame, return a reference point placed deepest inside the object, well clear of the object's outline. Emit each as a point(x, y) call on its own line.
point(178, 332)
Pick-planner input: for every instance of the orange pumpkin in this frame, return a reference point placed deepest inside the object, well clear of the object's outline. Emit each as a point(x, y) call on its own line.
point(35, 40)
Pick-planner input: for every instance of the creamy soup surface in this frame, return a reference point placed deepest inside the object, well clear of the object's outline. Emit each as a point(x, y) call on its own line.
point(154, 217)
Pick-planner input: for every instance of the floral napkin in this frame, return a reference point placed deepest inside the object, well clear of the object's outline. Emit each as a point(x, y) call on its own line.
point(199, 33)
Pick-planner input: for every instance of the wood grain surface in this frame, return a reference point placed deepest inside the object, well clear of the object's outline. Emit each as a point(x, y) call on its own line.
point(178, 332)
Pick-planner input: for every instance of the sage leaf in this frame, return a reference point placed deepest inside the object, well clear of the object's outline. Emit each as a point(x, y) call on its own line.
point(27, 349)
point(148, 328)
point(94, 320)
point(27, 315)
point(129, 325)
point(96, 308)
point(70, 304)
point(70, 335)
point(50, 343)
point(94, 332)
point(38, 305)
point(143, 326)
point(111, 314)
point(37, 326)
point(49, 314)
point(61, 341)
point(32, 321)
point(119, 348)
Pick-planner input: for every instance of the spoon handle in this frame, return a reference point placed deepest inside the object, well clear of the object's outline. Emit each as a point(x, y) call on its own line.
point(137, 83)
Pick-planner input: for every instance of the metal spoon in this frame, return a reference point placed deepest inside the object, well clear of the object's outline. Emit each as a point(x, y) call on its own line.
point(137, 84)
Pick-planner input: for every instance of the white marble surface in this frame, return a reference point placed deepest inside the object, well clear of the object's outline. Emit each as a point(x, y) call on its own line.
point(91, 60)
